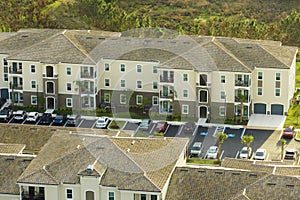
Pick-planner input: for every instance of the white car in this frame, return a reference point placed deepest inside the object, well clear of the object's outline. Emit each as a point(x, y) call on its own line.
point(32, 117)
point(244, 152)
point(260, 154)
point(102, 122)
point(212, 152)
point(20, 115)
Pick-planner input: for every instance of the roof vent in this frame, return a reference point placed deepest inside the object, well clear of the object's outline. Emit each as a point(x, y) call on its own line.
point(133, 141)
point(90, 169)
point(128, 150)
point(25, 36)
point(290, 185)
point(271, 184)
point(78, 146)
point(218, 172)
point(89, 37)
point(248, 47)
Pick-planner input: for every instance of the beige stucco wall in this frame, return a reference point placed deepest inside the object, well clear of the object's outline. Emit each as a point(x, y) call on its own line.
point(3, 84)
point(89, 184)
point(217, 86)
point(62, 191)
point(52, 193)
point(9, 197)
point(104, 193)
point(180, 85)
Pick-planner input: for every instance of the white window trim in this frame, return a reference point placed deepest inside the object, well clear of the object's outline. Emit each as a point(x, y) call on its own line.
point(105, 81)
point(53, 87)
point(137, 67)
point(187, 93)
point(261, 91)
point(124, 83)
point(67, 71)
point(121, 95)
point(105, 64)
point(31, 69)
point(220, 109)
point(4, 77)
point(279, 76)
point(67, 87)
point(279, 92)
point(121, 68)
point(153, 71)
point(156, 85)
point(224, 95)
point(200, 96)
point(111, 192)
point(137, 97)
point(31, 84)
point(222, 79)
point(67, 194)
point(153, 97)
point(262, 76)
point(31, 99)
point(108, 94)
point(138, 84)
point(186, 77)
point(183, 110)
point(67, 102)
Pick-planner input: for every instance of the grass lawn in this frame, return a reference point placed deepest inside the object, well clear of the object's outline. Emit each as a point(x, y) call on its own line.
point(201, 161)
point(141, 134)
point(116, 124)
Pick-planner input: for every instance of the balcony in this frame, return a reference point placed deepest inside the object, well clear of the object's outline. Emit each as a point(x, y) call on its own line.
point(50, 76)
point(242, 83)
point(27, 196)
point(87, 91)
point(166, 79)
point(166, 95)
point(18, 87)
point(15, 71)
point(237, 99)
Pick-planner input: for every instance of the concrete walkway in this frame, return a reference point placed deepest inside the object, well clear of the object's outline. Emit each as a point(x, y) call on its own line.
point(267, 121)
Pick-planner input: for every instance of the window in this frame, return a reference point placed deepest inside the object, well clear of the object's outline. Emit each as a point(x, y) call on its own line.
point(185, 109)
point(154, 100)
point(5, 62)
point(153, 197)
point(33, 84)
point(106, 67)
point(277, 76)
point(122, 68)
point(68, 71)
point(185, 93)
point(154, 85)
point(69, 86)
point(106, 97)
point(106, 82)
point(223, 79)
point(223, 95)
point(69, 102)
point(32, 68)
point(69, 194)
point(203, 96)
point(259, 75)
point(111, 195)
point(139, 99)
point(5, 77)
point(33, 100)
point(222, 111)
point(122, 99)
point(123, 84)
point(143, 197)
point(139, 68)
point(277, 92)
point(154, 70)
point(185, 77)
point(259, 91)
point(139, 84)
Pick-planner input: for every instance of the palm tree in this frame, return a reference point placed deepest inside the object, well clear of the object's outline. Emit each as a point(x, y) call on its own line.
point(242, 100)
point(221, 137)
point(80, 87)
point(247, 140)
point(283, 143)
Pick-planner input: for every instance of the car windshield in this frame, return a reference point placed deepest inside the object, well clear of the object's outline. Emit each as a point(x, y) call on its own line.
point(244, 151)
point(196, 148)
point(19, 115)
point(260, 153)
point(59, 117)
point(212, 150)
point(100, 121)
point(288, 130)
point(144, 123)
point(160, 125)
point(3, 112)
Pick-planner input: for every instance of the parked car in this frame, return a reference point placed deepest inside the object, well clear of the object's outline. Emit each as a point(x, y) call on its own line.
point(102, 122)
point(189, 127)
point(145, 124)
point(32, 117)
point(73, 120)
point(196, 149)
point(290, 154)
point(212, 152)
point(46, 117)
point(20, 115)
point(60, 119)
point(6, 114)
point(260, 154)
point(161, 126)
point(288, 132)
point(244, 152)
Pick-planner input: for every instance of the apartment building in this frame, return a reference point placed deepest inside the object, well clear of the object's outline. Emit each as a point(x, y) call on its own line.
point(198, 76)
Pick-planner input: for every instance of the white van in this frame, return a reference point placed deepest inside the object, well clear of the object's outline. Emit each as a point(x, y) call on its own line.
point(196, 149)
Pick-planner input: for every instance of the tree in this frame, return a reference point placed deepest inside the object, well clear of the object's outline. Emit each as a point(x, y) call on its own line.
point(247, 140)
point(221, 137)
point(283, 143)
point(242, 99)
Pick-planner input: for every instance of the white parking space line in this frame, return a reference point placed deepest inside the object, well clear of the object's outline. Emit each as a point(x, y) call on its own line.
point(180, 130)
point(151, 131)
point(80, 122)
point(125, 125)
point(237, 153)
point(280, 135)
point(94, 124)
point(196, 129)
point(221, 154)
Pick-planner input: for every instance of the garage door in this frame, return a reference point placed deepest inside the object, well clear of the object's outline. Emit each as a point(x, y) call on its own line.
point(260, 108)
point(276, 109)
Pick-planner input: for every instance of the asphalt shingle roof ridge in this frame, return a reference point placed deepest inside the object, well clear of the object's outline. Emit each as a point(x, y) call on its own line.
point(227, 51)
point(262, 46)
point(35, 44)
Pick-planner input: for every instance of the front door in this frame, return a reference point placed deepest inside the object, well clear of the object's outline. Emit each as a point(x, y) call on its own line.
point(203, 112)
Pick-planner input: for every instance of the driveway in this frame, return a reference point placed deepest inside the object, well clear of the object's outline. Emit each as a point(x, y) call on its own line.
point(267, 121)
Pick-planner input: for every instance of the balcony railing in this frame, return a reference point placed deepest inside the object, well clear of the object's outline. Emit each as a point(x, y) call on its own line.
point(165, 79)
point(18, 87)
point(86, 75)
point(242, 83)
point(50, 76)
point(26, 196)
point(238, 99)
point(166, 95)
point(15, 71)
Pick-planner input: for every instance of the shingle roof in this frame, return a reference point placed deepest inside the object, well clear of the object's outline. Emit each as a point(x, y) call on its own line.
point(11, 168)
point(207, 183)
point(11, 148)
point(110, 159)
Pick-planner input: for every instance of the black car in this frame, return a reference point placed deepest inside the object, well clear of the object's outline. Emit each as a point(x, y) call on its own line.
point(73, 120)
point(46, 118)
point(60, 119)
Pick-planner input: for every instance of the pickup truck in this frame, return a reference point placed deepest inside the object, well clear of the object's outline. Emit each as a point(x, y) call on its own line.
point(6, 115)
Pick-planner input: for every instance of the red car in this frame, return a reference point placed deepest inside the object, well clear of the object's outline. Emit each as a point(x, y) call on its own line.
point(288, 132)
point(161, 126)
